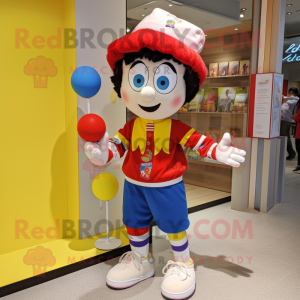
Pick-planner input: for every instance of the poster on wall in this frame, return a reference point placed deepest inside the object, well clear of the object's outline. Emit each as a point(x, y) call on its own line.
point(276, 103)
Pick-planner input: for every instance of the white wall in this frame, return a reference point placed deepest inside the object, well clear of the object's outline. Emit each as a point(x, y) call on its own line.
point(96, 15)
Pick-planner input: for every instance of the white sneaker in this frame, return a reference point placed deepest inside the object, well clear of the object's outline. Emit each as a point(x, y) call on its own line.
point(179, 281)
point(130, 270)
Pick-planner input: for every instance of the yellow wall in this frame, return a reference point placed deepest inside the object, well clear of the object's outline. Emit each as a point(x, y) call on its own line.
point(38, 161)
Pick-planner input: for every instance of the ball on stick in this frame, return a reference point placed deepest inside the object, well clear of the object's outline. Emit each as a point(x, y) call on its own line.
point(86, 81)
point(91, 128)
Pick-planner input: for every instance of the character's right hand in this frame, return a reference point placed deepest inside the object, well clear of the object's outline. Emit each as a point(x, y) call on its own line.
point(97, 152)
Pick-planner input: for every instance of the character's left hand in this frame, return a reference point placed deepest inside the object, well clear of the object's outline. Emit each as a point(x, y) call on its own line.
point(227, 154)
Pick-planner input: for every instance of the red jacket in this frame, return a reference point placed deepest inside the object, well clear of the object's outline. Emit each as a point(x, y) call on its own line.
point(297, 119)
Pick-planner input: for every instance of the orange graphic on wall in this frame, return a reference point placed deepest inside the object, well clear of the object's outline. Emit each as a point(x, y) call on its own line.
point(40, 68)
point(39, 258)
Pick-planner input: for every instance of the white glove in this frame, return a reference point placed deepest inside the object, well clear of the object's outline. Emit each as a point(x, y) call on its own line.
point(227, 154)
point(97, 152)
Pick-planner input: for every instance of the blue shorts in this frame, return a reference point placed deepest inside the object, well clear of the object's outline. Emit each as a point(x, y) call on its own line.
point(166, 205)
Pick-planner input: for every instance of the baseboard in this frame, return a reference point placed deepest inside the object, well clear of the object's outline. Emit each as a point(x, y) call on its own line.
point(209, 204)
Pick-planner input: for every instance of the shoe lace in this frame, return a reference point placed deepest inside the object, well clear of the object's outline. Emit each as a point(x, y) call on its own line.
point(130, 256)
point(179, 268)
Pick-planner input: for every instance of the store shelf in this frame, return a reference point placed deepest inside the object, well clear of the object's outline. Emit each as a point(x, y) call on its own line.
point(225, 81)
point(207, 163)
point(228, 76)
point(214, 176)
point(199, 162)
point(210, 112)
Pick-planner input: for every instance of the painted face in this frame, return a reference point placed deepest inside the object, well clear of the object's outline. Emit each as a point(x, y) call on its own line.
point(153, 90)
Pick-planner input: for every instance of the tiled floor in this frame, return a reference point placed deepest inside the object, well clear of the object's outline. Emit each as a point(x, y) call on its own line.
point(266, 266)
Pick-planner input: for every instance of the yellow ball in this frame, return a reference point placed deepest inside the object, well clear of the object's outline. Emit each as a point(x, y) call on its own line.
point(113, 96)
point(105, 186)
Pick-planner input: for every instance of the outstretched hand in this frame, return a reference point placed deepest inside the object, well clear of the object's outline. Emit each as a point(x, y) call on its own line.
point(97, 153)
point(227, 154)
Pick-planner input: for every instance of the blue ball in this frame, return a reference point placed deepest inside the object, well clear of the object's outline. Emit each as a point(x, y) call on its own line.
point(86, 81)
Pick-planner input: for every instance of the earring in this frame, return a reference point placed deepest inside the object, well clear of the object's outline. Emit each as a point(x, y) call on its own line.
point(113, 96)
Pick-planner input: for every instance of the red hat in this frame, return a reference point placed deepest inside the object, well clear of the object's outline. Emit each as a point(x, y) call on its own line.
point(167, 34)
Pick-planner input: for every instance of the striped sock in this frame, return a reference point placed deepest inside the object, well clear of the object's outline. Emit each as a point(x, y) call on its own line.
point(180, 246)
point(139, 241)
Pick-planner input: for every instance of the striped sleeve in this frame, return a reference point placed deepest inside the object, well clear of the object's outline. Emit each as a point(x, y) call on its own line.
point(189, 137)
point(121, 142)
point(116, 149)
point(203, 145)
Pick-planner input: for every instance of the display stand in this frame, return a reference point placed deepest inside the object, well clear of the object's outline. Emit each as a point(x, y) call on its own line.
point(265, 105)
point(107, 243)
point(88, 106)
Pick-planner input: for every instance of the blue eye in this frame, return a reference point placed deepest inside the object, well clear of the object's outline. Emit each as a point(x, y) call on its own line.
point(165, 78)
point(162, 82)
point(138, 76)
point(138, 80)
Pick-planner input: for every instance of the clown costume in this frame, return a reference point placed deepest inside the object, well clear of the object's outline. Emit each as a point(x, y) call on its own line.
point(157, 68)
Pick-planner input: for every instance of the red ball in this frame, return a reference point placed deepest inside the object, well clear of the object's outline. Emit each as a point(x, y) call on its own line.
point(91, 128)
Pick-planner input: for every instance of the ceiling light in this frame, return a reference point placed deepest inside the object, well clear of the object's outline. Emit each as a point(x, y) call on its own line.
point(289, 13)
point(236, 29)
point(170, 4)
point(128, 30)
point(143, 15)
point(242, 14)
point(289, 4)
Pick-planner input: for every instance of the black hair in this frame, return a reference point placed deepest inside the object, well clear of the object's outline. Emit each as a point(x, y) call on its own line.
point(294, 91)
point(190, 77)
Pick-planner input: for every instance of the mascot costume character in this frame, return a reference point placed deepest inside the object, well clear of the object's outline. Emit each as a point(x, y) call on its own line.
point(157, 68)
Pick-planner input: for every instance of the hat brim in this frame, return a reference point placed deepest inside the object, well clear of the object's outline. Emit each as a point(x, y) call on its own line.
point(156, 41)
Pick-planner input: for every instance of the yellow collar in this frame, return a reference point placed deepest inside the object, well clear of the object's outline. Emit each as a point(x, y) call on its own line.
point(162, 133)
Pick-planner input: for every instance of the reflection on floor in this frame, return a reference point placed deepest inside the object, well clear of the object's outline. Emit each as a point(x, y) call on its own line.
point(197, 195)
point(259, 267)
